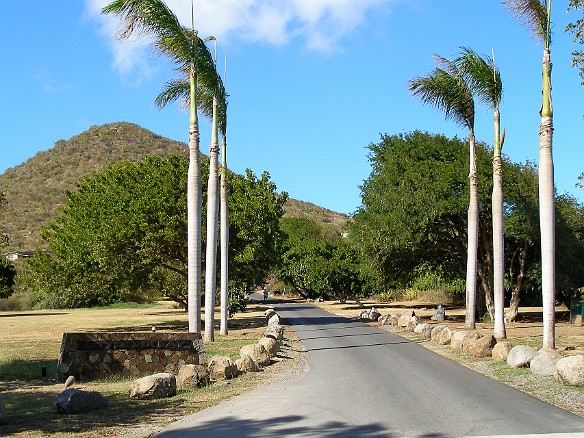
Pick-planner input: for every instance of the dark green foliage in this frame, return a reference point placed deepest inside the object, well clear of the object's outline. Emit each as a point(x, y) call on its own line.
point(7, 276)
point(122, 236)
point(318, 262)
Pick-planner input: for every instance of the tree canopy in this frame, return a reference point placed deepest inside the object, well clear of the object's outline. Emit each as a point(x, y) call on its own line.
point(577, 29)
point(122, 235)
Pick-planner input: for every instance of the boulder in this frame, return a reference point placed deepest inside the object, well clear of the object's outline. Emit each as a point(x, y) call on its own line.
point(271, 346)
point(544, 362)
point(444, 336)
point(275, 331)
point(3, 414)
point(414, 321)
point(394, 320)
point(457, 340)
point(269, 312)
point(436, 332)
point(469, 338)
point(404, 318)
point(158, 385)
point(246, 364)
point(74, 401)
point(570, 370)
point(374, 314)
point(439, 315)
point(274, 319)
point(257, 352)
point(501, 351)
point(481, 347)
point(384, 320)
point(222, 367)
point(520, 356)
point(424, 329)
point(193, 376)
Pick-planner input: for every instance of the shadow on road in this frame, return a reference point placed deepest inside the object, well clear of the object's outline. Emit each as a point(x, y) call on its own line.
point(290, 425)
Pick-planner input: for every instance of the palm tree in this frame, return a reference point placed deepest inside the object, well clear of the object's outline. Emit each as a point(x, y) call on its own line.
point(224, 209)
point(185, 48)
point(536, 15)
point(446, 89)
point(484, 80)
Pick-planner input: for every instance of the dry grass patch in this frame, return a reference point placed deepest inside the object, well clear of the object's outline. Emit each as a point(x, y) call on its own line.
point(32, 340)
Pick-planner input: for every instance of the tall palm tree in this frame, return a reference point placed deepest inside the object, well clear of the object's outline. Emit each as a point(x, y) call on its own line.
point(224, 238)
point(184, 48)
point(536, 15)
point(485, 82)
point(446, 89)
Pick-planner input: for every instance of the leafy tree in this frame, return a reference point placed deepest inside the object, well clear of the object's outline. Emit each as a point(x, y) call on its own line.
point(7, 271)
point(121, 236)
point(577, 29)
point(447, 89)
point(187, 50)
point(318, 262)
point(536, 14)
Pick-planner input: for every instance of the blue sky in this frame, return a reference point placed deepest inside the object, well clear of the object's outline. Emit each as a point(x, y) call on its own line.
point(312, 83)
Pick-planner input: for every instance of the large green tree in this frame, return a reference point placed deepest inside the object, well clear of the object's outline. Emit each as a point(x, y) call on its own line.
point(7, 271)
point(183, 47)
point(536, 15)
point(447, 89)
point(122, 236)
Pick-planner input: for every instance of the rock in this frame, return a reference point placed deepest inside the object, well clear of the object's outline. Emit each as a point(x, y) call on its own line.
point(271, 346)
point(257, 352)
point(364, 315)
point(274, 319)
point(70, 380)
point(384, 320)
point(193, 376)
point(404, 318)
point(222, 367)
point(544, 362)
point(468, 339)
point(414, 321)
point(275, 331)
point(436, 332)
point(570, 370)
point(520, 356)
point(158, 385)
point(457, 340)
point(481, 347)
point(424, 329)
point(439, 315)
point(374, 314)
point(246, 364)
point(444, 336)
point(3, 414)
point(501, 351)
point(269, 312)
point(394, 320)
point(74, 401)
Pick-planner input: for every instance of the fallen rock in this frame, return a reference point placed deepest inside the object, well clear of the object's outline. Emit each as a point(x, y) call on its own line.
point(444, 336)
point(481, 347)
point(75, 401)
point(257, 352)
point(160, 385)
point(544, 362)
point(275, 331)
point(404, 318)
point(469, 338)
point(246, 364)
point(193, 376)
point(457, 340)
point(424, 329)
point(436, 332)
point(520, 356)
point(570, 370)
point(414, 321)
point(222, 368)
point(271, 346)
point(501, 351)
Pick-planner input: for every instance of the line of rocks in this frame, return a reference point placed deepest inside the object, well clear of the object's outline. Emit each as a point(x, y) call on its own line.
point(253, 358)
point(568, 370)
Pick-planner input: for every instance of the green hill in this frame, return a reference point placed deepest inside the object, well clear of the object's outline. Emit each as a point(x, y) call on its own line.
point(35, 188)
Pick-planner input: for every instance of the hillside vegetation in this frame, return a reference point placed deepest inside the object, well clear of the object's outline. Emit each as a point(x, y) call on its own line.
point(35, 190)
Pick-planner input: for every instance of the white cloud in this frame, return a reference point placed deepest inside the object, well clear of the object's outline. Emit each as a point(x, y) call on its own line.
point(318, 24)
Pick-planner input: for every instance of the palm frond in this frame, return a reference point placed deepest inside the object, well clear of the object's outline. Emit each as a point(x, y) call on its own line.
point(482, 75)
point(447, 92)
point(534, 14)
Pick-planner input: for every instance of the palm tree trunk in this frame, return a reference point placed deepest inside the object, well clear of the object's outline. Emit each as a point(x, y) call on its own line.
point(212, 217)
point(547, 213)
point(194, 208)
point(224, 241)
point(472, 245)
point(498, 237)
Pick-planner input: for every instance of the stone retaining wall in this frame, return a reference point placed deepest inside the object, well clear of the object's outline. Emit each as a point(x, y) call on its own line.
point(94, 355)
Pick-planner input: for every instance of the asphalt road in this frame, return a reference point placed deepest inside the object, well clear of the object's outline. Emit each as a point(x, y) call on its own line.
point(366, 382)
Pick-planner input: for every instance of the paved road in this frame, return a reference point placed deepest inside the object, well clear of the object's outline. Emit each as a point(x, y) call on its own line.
point(366, 382)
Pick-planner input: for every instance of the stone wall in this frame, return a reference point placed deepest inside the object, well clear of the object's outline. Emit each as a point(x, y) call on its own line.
point(93, 355)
